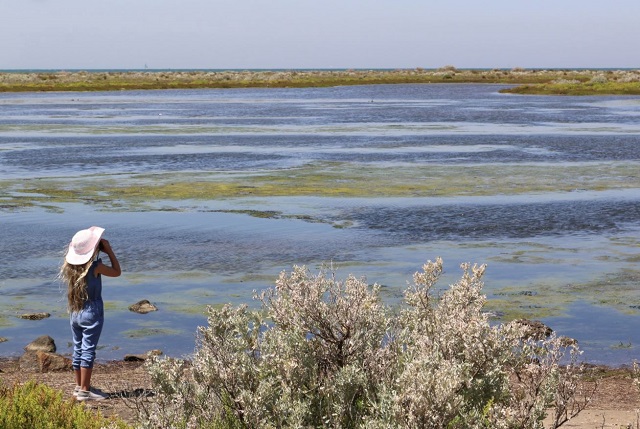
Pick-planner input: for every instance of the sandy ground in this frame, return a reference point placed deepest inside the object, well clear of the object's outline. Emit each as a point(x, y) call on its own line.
point(613, 406)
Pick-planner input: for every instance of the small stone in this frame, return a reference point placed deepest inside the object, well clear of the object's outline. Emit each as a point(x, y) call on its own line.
point(143, 307)
point(568, 341)
point(142, 357)
point(3, 339)
point(535, 329)
point(35, 316)
point(43, 343)
point(135, 358)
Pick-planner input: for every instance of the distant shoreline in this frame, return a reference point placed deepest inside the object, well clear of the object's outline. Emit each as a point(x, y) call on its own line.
point(527, 81)
point(302, 69)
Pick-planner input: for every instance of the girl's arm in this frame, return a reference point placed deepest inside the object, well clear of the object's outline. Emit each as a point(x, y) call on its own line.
point(109, 271)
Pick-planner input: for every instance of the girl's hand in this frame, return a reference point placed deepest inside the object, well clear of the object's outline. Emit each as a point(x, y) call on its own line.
point(109, 271)
point(104, 245)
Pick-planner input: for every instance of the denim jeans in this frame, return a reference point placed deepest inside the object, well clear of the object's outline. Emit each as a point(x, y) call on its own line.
point(86, 326)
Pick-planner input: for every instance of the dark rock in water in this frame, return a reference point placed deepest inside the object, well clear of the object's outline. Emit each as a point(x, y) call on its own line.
point(39, 361)
point(534, 329)
point(568, 341)
point(3, 339)
point(143, 307)
point(135, 358)
point(35, 316)
point(142, 357)
point(43, 343)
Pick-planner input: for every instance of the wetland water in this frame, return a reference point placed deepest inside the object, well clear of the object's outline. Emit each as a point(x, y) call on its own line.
point(207, 195)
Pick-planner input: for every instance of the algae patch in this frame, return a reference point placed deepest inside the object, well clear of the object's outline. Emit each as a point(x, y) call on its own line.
point(149, 332)
point(616, 290)
point(326, 179)
point(5, 322)
point(533, 301)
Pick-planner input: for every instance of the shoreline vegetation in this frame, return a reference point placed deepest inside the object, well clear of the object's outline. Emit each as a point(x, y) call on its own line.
point(614, 402)
point(531, 81)
point(327, 352)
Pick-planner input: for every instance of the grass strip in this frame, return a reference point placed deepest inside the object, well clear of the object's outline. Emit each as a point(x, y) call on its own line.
point(532, 81)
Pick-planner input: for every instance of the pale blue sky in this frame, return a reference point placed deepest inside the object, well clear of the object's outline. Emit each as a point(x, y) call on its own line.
point(89, 34)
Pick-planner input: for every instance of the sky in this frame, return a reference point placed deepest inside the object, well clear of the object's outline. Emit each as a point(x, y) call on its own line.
point(303, 34)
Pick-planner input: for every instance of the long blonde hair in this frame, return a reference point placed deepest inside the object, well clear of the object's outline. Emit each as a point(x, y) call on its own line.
point(75, 276)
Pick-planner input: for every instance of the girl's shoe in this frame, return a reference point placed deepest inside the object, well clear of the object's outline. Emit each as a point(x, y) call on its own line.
point(76, 390)
point(91, 395)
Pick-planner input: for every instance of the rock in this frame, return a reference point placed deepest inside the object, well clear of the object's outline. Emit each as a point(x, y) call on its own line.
point(3, 339)
point(142, 357)
point(568, 341)
point(53, 362)
point(534, 329)
point(35, 316)
point(40, 361)
point(135, 358)
point(143, 307)
point(43, 343)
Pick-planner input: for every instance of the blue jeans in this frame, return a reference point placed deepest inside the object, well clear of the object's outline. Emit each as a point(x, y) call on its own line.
point(86, 326)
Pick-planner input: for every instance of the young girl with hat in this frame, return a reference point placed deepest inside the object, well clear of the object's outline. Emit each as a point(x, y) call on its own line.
point(82, 271)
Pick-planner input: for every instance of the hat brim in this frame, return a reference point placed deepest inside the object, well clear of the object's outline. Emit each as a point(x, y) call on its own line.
point(79, 258)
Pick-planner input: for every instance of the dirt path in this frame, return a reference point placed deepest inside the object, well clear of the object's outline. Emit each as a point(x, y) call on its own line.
point(613, 406)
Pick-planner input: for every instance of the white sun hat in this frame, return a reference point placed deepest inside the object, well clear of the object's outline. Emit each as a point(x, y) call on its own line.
point(83, 244)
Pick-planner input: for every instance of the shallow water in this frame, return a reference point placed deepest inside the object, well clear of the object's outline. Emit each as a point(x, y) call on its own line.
point(566, 256)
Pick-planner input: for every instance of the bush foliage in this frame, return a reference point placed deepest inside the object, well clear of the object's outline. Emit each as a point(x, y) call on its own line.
point(37, 406)
point(328, 353)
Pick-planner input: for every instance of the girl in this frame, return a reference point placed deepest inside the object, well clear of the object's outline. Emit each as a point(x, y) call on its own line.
point(82, 271)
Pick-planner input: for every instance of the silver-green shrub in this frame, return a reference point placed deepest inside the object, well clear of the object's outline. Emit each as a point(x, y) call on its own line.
point(328, 353)
point(599, 78)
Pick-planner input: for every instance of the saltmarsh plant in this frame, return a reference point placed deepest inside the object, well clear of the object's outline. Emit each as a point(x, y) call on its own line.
point(85, 81)
point(33, 405)
point(328, 353)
